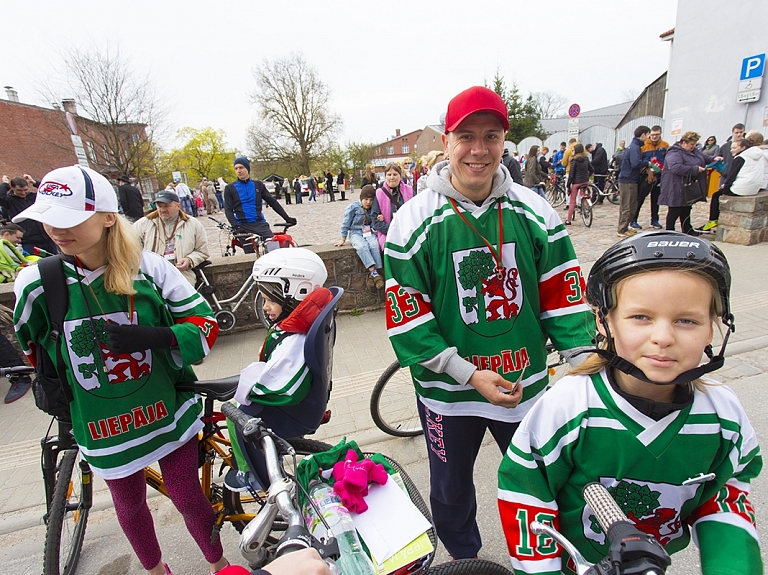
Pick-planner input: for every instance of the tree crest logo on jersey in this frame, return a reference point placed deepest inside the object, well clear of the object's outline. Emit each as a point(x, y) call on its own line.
point(488, 295)
point(86, 336)
point(654, 508)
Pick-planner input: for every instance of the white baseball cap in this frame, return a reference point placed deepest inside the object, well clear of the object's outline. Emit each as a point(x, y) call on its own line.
point(66, 197)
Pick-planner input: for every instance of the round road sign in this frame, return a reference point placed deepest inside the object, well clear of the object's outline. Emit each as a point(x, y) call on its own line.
point(574, 110)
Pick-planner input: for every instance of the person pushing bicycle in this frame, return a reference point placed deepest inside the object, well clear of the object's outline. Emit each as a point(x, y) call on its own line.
point(244, 202)
point(132, 329)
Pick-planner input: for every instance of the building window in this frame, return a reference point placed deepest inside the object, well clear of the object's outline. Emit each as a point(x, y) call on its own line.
point(390, 150)
point(92, 152)
point(406, 150)
point(106, 154)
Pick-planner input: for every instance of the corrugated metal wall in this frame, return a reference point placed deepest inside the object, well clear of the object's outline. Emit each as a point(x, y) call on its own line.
point(627, 131)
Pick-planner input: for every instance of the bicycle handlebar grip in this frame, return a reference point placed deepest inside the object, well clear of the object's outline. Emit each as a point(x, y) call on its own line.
point(606, 510)
point(5, 371)
point(240, 419)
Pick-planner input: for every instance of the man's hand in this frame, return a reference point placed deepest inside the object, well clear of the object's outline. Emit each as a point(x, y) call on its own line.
point(488, 382)
point(30, 180)
point(184, 264)
point(291, 221)
point(6, 179)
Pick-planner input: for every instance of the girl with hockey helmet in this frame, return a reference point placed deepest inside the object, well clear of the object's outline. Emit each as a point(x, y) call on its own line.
point(274, 387)
point(676, 451)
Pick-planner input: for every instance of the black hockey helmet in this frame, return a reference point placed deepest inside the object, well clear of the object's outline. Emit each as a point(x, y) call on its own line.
point(657, 250)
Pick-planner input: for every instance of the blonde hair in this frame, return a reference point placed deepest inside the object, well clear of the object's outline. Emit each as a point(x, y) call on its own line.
point(123, 257)
point(594, 362)
point(689, 137)
point(433, 157)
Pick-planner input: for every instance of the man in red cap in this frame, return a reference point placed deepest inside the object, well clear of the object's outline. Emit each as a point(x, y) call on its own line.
point(480, 272)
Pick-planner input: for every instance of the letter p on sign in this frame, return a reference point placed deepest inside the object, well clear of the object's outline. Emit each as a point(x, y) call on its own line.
point(752, 67)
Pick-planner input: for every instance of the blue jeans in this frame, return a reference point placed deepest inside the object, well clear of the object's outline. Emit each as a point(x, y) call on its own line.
point(539, 190)
point(367, 249)
point(220, 199)
point(186, 205)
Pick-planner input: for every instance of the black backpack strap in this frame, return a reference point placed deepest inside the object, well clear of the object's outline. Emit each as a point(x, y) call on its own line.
point(56, 295)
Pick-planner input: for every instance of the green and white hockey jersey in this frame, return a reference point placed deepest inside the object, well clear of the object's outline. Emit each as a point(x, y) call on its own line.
point(443, 291)
point(689, 471)
point(126, 411)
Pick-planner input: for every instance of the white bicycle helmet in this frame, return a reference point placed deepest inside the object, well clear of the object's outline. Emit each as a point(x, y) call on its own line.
point(287, 275)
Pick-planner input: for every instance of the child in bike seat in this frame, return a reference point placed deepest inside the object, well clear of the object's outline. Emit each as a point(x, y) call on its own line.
point(273, 388)
point(674, 448)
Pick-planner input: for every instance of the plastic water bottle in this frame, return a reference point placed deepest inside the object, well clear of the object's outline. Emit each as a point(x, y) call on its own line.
point(353, 560)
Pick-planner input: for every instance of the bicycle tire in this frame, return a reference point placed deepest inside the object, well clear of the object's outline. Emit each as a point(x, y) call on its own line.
point(469, 567)
point(67, 518)
point(232, 499)
point(555, 195)
point(258, 307)
point(393, 403)
point(612, 192)
point(586, 211)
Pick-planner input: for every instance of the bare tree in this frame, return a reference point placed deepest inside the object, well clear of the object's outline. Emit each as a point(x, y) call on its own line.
point(549, 104)
point(295, 117)
point(122, 106)
point(630, 95)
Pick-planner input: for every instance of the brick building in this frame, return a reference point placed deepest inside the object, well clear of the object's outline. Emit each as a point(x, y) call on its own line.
point(398, 149)
point(35, 140)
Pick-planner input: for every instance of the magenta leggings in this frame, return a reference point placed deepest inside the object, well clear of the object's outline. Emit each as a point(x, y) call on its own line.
point(179, 469)
point(572, 204)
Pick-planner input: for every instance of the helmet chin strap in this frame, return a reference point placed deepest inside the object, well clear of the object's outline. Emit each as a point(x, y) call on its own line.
point(624, 366)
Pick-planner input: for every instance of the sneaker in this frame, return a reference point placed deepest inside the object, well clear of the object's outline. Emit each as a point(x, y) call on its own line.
point(18, 389)
point(167, 569)
point(693, 232)
point(635, 226)
point(370, 281)
point(379, 281)
point(655, 224)
point(567, 223)
point(709, 225)
point(241, 481)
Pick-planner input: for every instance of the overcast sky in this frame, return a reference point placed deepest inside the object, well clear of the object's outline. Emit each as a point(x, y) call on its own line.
point(393, 64)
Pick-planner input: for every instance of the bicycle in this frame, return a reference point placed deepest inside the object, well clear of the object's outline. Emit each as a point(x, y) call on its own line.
point(393, 404)
point(68, 479)
point(258, 547)
point(249, 243)
point(610, 190)
point(555, 190)
point(584, 201)
point(631, 550)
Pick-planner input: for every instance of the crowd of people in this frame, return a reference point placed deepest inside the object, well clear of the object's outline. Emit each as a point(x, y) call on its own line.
point(480, 273)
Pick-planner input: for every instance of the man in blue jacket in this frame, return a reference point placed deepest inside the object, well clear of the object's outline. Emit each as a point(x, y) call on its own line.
point(244, 202)
point(629, 176)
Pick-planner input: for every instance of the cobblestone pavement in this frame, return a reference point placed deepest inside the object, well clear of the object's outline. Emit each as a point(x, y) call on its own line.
point(320, 223)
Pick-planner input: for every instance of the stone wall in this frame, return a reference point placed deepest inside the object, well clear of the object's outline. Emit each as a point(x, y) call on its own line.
point(743, 219)
point(228, 274)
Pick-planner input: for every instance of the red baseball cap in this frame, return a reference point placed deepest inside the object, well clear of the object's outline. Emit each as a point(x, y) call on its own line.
point(475, 99)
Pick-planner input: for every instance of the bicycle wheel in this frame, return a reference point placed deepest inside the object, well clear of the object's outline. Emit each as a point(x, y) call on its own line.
point(613, 193)
point(555, 195)
point(469, 567)
point(586, 211)
point(68, 515)
point(238, 503)
point(393, 403)
point(258, 307)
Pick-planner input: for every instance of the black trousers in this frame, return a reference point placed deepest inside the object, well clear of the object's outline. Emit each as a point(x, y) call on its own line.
point(453, 443)
point(682, 213)
point(644, 189)
point(600, 183)
point(714, 206)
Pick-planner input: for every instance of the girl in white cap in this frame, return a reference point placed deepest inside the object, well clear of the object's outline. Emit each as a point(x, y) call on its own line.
point(133, 327)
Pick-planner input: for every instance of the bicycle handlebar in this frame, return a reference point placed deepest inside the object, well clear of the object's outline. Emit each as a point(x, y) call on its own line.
point(280, 496)
point(630, 551)
point(6, 371)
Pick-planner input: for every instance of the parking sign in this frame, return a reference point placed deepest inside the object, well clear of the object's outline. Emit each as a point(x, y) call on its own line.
point(752, 67)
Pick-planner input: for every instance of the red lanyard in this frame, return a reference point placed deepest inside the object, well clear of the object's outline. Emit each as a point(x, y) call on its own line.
point(497, 256)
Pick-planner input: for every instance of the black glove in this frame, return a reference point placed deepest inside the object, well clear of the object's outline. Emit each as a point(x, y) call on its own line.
point(291, 221)
point(131, 338)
